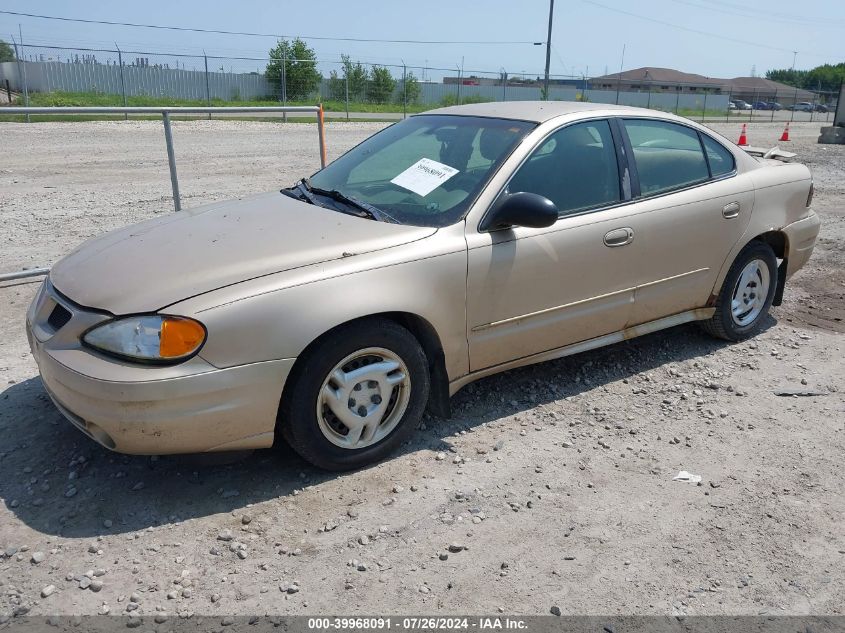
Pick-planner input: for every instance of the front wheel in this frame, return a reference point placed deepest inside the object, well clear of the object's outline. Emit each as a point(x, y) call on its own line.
point(355, 395)
point(746, 294)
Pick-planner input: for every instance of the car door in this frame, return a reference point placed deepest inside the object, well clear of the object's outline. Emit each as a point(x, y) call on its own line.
point(532, 290)
point(690, 209)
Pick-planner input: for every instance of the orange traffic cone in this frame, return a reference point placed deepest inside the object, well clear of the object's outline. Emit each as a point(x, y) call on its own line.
point(743, 140)
point(785, 135)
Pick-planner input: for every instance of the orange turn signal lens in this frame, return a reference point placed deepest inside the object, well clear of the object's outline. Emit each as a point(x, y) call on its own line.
point(180, 337)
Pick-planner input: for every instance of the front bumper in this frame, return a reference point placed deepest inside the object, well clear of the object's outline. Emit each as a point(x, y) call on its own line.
point(187, 408)
point(801, 239)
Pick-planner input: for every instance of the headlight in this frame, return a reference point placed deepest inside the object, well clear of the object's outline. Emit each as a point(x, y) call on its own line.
point(150, 338)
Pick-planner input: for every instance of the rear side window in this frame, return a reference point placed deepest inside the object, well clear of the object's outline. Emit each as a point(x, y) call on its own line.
point(575, 168)
point(721, 160)
point(668, 156)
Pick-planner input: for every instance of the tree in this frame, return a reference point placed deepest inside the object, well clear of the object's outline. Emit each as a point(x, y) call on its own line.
point(381, 85)
point(411, 91)
point(788, 76)
point(337, 87)
point(827, 77)
point(357, 77)
point(300, 69)
point(6, 52)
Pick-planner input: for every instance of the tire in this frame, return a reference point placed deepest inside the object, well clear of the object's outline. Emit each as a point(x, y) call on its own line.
point(736, 322)
point(321, 408)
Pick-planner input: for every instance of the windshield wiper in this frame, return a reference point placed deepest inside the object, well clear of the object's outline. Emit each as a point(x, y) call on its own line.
point(365, 209)
point(300, 191)
point(290, 193)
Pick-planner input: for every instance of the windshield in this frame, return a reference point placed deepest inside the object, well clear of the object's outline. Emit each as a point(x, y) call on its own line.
point(425, 170)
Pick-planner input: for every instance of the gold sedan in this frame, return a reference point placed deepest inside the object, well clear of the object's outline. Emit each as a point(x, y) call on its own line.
point(458, 243)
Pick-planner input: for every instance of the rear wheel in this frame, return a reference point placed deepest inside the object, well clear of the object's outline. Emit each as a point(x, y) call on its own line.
point(746, 294)
point(355, 395)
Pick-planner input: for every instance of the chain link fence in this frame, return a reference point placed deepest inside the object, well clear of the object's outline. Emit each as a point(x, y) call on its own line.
point(50, 75)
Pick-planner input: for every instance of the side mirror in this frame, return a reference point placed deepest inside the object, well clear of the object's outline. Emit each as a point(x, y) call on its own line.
point(520, 209)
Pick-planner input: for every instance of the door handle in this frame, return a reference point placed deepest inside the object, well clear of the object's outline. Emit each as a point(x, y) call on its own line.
point(619, 237)
point(731, 210)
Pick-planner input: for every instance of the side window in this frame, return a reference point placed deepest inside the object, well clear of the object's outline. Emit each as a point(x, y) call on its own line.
point(667, 155)
point(575, 168)
point(721, 160)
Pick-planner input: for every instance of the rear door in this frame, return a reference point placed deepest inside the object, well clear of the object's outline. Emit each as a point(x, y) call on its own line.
point(691, 208)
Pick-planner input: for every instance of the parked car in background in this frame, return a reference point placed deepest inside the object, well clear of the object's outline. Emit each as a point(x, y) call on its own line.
point(802, 106)
point(774, 105)
point(450, 246)
point(762, 105)
point(739, 104)
point(731, 105)
point(821, 108)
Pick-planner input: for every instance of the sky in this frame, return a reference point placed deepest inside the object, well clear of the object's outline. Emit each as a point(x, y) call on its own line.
point(716, 38)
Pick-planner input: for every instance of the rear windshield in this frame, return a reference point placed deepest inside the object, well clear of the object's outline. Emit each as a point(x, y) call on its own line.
point(425, 170)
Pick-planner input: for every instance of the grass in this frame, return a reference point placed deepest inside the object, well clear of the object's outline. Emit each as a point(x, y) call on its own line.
point(77, 99)
point(71, 99)
point(691, 113)
point(96, 99)
point(57, 99)
point(40, 118)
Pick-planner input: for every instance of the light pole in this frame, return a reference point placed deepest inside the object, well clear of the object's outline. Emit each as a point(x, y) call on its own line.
point(548, 50)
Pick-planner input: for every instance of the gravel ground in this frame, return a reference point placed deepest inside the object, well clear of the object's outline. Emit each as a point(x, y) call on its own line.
point(551, 486)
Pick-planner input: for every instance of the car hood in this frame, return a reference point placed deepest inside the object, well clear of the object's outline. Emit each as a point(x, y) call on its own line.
point(147, 266)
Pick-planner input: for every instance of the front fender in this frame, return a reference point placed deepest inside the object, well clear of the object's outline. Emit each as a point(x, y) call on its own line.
point(278, 316)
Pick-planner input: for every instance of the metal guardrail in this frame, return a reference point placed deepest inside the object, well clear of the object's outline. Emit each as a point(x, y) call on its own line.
point(165, 113)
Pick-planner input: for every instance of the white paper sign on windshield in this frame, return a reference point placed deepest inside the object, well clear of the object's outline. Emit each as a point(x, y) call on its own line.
point(424, 176)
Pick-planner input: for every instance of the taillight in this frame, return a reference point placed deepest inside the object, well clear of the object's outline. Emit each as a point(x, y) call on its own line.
point(810, 195)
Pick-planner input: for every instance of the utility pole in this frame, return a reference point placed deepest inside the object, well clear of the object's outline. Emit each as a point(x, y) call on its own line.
point(22, 68)
point(404, 90)
point(619, 78)
point(794, 55)
point(122, 80)
point(285, 81)
point(548, 50)
point(207, 87)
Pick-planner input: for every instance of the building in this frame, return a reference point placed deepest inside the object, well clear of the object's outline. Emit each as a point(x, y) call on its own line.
point(754, 89)
point(649, 79)
point(750, 89)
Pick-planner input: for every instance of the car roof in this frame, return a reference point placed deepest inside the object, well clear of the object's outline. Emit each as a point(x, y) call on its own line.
point(539, 111)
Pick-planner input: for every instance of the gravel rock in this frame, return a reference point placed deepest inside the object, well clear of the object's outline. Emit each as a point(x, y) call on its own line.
point(49, 590)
